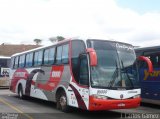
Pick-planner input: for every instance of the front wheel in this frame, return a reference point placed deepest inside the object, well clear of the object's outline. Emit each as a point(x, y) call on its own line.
point(62, 102)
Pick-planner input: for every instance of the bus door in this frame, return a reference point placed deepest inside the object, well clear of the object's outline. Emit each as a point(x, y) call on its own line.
point(79, 97)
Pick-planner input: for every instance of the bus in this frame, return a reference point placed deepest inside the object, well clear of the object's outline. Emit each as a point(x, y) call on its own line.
point(150, 82)
point(89, 74)
point(4, 71)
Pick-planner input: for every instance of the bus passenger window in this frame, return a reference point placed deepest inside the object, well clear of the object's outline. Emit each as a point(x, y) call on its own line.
point(65, 53)
point(21, 61)
point(38, 58)
point(51, 55)
point(12, 62)
point(46, 53)
point(59, 55)
point(16, 62)
point(29, 59)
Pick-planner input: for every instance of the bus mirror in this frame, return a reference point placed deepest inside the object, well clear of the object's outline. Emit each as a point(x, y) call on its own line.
point(148, 61)
point(93, 56)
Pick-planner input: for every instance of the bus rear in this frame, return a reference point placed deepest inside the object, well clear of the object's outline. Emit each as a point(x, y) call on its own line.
point(4, 71)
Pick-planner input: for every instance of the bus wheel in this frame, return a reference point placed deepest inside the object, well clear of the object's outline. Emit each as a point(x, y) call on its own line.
point(62, 102)
point(20, 92)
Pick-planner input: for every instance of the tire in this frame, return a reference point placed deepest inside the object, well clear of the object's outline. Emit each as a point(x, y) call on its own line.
point(62, 102)
point(20, 92)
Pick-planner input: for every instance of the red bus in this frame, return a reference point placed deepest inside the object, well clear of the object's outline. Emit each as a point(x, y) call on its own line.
point(89, 74)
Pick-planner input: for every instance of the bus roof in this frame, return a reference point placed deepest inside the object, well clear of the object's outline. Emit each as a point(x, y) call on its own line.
point(4, 57)
point(42, 47)
point(147, 48)
point(71, 39)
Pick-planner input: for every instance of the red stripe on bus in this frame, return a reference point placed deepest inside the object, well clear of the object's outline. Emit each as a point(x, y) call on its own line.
point(81, 103)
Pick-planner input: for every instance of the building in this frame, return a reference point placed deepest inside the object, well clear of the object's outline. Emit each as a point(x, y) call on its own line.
point(6, 50)
point(10, 49)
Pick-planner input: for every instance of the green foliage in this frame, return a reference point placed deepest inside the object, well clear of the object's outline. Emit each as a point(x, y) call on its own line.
point(37, 41)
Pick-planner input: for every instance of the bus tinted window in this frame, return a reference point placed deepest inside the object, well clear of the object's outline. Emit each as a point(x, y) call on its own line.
point(46, 56)
point(38, 58)
point(78, 47)
point(16, 62)
point(49, 56)
point(12, 62)
point(21, 61)
point(59, 55)
point(65, 53)
point(29, 59)
point(154, 57)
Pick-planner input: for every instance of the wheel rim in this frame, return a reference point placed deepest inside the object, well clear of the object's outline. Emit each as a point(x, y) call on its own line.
point(63, 101)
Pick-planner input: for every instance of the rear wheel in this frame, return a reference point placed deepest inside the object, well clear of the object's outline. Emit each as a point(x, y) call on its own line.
point(20, 92)
point(62, 102)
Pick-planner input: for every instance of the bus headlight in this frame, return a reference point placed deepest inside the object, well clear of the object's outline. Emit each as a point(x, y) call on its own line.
point(100, 97)
point(136, 96)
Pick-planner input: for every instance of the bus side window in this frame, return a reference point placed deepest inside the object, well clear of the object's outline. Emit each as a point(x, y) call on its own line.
point(59, 55)
point(21, 61)
point(16, 62)
point(12, 62)
point(83, 70)
point(65, 54)
point(38, 58)
point(46, 56)
point(29, 59)
point(49, 56)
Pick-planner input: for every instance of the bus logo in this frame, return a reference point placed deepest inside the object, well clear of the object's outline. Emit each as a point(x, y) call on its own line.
point(56, 74)
point(20, 74)
point(154, 74)
point(121, 96)
point(122, 46)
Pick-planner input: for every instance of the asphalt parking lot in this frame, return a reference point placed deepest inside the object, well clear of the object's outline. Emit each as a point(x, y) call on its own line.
point(11, 107)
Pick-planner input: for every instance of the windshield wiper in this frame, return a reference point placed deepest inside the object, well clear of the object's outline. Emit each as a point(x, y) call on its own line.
point(114, 76)
point(123, 68)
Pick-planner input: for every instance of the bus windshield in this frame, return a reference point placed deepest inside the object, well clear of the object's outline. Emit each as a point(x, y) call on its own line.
point(116, 68)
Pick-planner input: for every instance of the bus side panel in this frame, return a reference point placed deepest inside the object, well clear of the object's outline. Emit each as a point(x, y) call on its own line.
point(16, 77)
point(150, 84)
point(47, 79)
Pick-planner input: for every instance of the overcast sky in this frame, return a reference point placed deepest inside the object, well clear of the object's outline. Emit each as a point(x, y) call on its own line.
point(132, 21)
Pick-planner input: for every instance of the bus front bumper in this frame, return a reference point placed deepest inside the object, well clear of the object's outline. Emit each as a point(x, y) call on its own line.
point(109, 104)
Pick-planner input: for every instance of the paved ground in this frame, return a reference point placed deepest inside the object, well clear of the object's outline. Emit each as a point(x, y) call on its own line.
point(11, 107)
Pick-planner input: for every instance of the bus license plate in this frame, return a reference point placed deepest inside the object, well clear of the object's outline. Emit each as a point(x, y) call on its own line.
point(121, 105)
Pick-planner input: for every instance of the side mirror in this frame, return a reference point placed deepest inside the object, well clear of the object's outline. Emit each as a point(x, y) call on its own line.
point(93, 56)
point(148, 61)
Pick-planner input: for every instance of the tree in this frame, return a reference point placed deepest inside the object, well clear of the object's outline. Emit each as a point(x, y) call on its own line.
point(53, 39)
point(56, 39)
point(37, 41)
point(60, 38)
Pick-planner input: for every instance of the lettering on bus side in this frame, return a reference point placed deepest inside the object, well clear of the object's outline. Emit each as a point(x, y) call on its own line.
point(153, 74)
point(19, 74)
point(56, 74)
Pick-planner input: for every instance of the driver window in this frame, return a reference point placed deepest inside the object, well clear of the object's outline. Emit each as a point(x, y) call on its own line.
point(83, 71)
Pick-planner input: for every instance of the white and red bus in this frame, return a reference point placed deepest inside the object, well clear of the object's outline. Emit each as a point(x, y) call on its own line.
point(88, 74)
